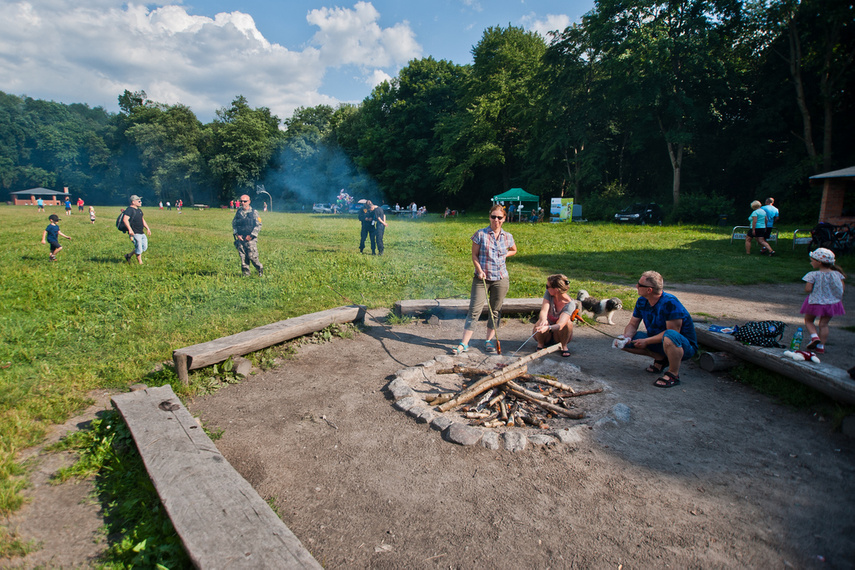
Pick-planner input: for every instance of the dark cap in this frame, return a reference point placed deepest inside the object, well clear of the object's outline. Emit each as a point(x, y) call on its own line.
point(53, 218)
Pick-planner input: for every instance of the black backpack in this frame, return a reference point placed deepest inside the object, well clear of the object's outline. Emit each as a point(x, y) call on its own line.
point(119, 225)
point(761, 333)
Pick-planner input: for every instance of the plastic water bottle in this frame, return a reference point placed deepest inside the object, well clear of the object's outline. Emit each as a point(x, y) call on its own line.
point(796, 343)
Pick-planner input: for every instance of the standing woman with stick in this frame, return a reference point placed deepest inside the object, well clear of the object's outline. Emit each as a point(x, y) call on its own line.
point(490, 247)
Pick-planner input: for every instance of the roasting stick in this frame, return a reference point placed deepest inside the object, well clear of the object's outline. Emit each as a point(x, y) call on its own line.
point(523, 344)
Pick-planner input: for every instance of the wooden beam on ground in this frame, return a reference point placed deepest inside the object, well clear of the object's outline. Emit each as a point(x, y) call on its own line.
point(830, 380)
point(457, 307)
point(221, 520)
point(219, 350)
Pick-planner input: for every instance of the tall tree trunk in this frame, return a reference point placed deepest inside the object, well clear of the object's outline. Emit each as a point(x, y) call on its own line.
point(796, 73)
point(675, 153)
point(569, 171)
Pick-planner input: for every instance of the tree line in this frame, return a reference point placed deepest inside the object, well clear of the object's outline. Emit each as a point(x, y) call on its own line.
point(700, 105)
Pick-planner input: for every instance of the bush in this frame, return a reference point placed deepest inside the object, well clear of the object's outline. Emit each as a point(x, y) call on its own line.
point(604, 205)
point(701, 209)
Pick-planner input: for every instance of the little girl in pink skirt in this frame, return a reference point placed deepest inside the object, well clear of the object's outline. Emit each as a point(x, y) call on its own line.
point(825, 288)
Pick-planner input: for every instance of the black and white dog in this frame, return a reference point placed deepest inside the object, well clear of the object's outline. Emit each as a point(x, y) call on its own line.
point(596, 307)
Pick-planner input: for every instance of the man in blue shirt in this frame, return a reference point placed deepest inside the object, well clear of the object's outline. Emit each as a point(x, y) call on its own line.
point(670, 333)
point(771, 217)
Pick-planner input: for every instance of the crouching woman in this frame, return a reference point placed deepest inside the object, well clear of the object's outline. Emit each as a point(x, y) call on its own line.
point(555, 321)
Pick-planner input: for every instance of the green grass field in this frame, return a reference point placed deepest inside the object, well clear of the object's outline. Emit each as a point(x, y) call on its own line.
point(90, 320)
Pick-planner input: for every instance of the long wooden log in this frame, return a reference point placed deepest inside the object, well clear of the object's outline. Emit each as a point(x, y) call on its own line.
point(482, 386)
point(585, 393)
point(549, 407)
point(497, 378)
point(437, 399)
point(464, 371)
point(551, 382)
point(218, 350)
point(830, 380)
point(448, 307)
point(533, 356)
point(530, 394)
point(220, 518)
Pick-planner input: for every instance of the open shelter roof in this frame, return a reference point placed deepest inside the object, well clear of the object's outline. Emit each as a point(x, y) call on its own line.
point(39, 192)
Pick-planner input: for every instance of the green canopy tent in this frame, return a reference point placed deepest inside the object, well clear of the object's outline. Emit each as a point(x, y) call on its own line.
point(518, 196)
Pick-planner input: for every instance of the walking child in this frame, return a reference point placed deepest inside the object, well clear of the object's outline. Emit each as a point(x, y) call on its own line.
point(91, 214)
point(825, 288)
point(51, 236)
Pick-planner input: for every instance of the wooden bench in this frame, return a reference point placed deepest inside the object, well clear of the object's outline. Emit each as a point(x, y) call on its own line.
point(741, 232)
point(451, 307)
point(221, 349)
point(219, 517)
point(830, 380)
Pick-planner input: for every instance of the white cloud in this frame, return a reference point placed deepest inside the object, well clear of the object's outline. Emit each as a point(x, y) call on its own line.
point(354, 37)
point(377, 77)
point(91, 52)
point(552, 22)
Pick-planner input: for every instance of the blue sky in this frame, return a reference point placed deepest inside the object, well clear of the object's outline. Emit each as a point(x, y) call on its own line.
point(280, 55)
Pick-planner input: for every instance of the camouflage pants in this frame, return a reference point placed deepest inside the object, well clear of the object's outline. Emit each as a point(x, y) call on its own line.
point(248, 251)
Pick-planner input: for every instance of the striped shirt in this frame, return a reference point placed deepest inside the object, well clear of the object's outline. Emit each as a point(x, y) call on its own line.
point(493, 252)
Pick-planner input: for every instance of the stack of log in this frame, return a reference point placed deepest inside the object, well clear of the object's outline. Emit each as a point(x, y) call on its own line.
point(503, 402)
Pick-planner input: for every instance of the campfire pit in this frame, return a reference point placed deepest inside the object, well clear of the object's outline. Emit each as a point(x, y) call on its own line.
point(490, 399)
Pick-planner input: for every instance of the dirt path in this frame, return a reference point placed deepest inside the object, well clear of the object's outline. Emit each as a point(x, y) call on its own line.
point(707, 474)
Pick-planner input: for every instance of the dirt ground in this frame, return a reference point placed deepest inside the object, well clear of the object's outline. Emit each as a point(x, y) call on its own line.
point(708, 474)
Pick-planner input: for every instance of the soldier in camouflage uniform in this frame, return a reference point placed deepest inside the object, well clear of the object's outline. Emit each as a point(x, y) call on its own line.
point(246, 225)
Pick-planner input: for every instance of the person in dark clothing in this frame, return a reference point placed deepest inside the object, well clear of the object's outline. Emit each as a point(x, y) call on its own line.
point(380, 225)
point(51, 236)
point(366, 216)
point(246, 225)
point(137, 226)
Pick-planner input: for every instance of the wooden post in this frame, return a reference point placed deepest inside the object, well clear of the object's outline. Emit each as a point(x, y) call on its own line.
point(180, 361)
point(714, 361)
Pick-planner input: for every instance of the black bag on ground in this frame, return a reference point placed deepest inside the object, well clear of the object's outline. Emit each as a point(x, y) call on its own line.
point(761, 333)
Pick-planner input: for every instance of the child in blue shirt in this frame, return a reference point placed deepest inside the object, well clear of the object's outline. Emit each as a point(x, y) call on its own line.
point(51, 236)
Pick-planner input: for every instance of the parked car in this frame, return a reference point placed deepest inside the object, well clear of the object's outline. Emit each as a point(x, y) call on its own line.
point(641, 214)
point(322, 208)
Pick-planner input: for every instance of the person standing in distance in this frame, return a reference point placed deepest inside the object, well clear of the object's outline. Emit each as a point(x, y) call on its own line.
point(51, 236)
point(368, 225)
point(137, 226)
point(246, 225)
point(771, 220)
point(380, 225)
